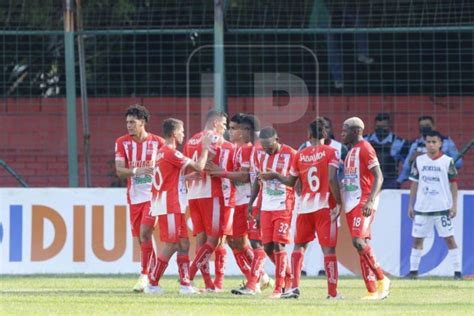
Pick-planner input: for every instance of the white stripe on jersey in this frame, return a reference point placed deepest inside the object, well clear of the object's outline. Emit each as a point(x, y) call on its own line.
point(144, 147)
point(134, 152)
point(125, 145)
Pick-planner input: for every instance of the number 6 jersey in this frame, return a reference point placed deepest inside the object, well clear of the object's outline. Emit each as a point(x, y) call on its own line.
point(311, 165)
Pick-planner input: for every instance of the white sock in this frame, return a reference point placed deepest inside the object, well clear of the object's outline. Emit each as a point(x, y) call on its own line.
point(415, 259)
point(455, 258)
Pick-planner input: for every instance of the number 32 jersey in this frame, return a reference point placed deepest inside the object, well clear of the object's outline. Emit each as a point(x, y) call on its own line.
point(311, 165)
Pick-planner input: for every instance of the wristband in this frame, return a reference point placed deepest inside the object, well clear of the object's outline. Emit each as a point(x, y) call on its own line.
point(134, 171)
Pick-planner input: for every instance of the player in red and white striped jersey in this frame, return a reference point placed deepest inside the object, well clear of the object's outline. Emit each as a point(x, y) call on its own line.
point(237, 174)
point(277, 203)
point(135, 155)
point(316, 168)
point(206, 200)
point(360, 192)
point(166, 205)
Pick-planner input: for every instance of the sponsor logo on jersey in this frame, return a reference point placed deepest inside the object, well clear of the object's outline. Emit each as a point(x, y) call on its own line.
point(141, 163)
point(429, 179)
point(431, 168)
point(428, 191)
point(314, 157)
point(194, 141)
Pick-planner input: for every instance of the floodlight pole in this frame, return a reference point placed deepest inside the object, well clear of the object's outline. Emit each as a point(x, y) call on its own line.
point(70, 92)
point(220, 103)
point(84, 99)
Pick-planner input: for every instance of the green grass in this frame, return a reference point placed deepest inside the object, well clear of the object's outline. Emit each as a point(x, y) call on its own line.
point(97, 295)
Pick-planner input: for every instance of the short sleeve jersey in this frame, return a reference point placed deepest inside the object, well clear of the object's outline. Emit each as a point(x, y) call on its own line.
point(358, 179)
point(135, 155)
point(275, 195)
point(311, 166)
point(167, 181)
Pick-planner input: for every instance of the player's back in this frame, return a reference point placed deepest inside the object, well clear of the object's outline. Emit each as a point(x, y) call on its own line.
point(167, 179)
point(312, 166)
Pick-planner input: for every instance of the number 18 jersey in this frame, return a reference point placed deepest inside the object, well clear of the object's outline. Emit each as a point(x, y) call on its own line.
point(311, 165)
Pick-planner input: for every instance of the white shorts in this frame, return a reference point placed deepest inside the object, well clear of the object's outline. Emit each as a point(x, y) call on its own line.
point(423, 226)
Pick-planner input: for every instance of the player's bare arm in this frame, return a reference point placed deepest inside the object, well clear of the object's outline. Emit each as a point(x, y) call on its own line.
point(454, 193)
point(411, 203)
point(289, 181)
point(336, 192)
point(124, 172)
point(368, 208)
point(253, 196)
point(214, 170)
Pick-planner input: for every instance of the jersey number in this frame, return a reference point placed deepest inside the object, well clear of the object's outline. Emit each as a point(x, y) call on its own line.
point(195, 156)
point(313, 179)
point(356, 222)
point(445, 221)
point(283, 228)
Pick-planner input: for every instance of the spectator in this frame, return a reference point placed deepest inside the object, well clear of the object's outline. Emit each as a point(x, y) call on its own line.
point(417, 148)
point(391, 150)
point(321, 18)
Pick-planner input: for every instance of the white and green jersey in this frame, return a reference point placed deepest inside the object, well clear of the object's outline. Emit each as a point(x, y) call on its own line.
point(433, 177)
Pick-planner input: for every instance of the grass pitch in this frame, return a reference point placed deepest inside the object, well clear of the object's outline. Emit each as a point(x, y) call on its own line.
point(111, 295)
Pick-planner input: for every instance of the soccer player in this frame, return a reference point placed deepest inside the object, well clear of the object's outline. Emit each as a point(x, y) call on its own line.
point(135, 155)
point(277, 203)
point(435, 191)
point(360, 191)
point(241, 132)
point(316, 168)
point(341, 151)
point(206, 201)
point(226, 163)
point(167, 185)
point(251, 259)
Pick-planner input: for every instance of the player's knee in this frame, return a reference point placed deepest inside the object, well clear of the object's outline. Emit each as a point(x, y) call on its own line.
point(146, 233)
point(183, 246)
point(451, 242)
point(358, 243)
point(268, 249)
point(214, 241)
point(418, 243)
point(256, 244)
point(328, 250)
point(238, 243)
point(279, 247)
point(299, 247)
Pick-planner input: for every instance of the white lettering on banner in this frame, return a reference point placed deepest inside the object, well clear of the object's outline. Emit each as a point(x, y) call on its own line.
point(88, 231)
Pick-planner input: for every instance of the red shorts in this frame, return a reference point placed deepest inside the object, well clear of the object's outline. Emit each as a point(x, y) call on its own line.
point(228, 220)
point(207, 215)
point(140, 215)
point(254, 230)
point(239, 224)
point(359, 225)
point(275, 226)
point(319, 222)
point(172, 227)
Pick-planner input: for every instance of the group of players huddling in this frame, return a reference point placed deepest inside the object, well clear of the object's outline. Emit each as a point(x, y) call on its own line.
point(243, 192)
